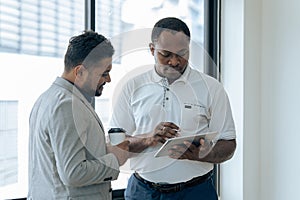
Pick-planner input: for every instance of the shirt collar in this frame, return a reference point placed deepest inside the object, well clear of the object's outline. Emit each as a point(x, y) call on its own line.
point(88, 97)
point(183, 78)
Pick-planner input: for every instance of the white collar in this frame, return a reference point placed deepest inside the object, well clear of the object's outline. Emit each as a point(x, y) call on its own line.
point(183, 78)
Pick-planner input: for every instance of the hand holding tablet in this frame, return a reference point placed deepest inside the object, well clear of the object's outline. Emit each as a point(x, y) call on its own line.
point(209, 137)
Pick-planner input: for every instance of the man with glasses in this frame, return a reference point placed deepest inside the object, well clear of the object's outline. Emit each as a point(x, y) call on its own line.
point(68, 154)
point(170, 100)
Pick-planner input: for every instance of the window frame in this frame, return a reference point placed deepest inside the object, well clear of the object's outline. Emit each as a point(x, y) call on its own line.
point(212, 44)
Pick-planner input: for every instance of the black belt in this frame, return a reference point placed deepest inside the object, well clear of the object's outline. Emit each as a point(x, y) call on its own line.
point(167, 188)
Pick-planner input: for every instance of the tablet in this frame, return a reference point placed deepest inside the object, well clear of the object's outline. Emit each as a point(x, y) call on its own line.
point(163, 151)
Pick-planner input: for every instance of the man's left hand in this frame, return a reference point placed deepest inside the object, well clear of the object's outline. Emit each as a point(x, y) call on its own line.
point(190, 151)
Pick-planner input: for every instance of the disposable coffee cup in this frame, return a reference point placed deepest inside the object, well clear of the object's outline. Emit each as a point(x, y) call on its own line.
point(116, 135)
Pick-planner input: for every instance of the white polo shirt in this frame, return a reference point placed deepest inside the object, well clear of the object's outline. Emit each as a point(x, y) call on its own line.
point(195, 102)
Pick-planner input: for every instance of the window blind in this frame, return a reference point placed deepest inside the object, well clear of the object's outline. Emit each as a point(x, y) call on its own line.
point(39, 27)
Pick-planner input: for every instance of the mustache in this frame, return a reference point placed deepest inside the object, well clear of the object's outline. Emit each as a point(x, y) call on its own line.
point(175, 67)
point(170, 66)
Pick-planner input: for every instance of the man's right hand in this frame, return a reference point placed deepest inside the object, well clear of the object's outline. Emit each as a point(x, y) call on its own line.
point(161, 133)
point(164, 131)
point(121, 151)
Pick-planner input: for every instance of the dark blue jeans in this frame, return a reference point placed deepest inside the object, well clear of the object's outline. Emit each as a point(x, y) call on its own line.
point(137, 190)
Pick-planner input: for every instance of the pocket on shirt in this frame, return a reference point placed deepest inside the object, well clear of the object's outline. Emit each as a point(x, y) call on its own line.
point(194, 118)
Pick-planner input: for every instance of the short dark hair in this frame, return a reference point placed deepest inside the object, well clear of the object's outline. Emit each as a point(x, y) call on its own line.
point(169, 24)
point(87, 49)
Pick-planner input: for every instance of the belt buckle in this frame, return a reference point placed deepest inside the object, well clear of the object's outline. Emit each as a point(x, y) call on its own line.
point(168, 189)
point(156, 185)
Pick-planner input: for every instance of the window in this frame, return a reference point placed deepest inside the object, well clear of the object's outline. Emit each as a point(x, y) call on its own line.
point(8, 135)
point(39, 27)
point(33, 39)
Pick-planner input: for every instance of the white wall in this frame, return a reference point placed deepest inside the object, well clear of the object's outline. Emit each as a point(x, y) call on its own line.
point(261, 74)
point(232, 78)
point(280, 101)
